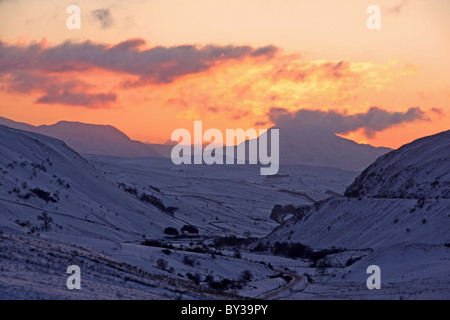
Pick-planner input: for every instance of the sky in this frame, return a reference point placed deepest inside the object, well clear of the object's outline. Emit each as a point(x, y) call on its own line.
point(150, 67)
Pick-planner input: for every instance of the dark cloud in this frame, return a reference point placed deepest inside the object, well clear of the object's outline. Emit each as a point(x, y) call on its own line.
point(25, 82)
point(155, 65)
point(438, 111)
point(56, 90)
point(95, 100)
point(373, 120)
point(104, 17)
point(267, 51)
point(37, 67)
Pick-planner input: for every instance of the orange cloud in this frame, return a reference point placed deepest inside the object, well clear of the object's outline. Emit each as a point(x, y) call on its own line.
point(21, 66)
point(225, 86)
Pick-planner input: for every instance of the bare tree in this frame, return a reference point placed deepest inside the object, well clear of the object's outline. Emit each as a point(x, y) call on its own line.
point(46, 221)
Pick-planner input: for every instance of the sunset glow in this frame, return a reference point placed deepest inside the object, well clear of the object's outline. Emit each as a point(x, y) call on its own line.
point(154, 66)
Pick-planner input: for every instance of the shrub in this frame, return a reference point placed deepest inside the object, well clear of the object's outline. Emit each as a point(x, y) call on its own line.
point(261, 247)
point(220, 285)
point(171, 210)
point(298, 250)
point(23, 224)
point(291, 250)
point(46, 221)
point(171, 231)
point(231, 241)
point(209, 279)
point(155, 188)
point(420, 203)
point(246, 276)
point(156, 243)
point(39, 166)
point(25, 196)
point(189, 229)
point(44, 195)
point(352, 260)
point(153, 201)
point(162, 264)
point(188, 261)
point(166, 252)
point(194, 277)
point(130, 190)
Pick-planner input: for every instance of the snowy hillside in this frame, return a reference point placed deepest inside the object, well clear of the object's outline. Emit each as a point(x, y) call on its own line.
point(379, 213)
point(90, 138)
point(369, 223)
point(400, 221)
point(418, 170)
point(39, 173)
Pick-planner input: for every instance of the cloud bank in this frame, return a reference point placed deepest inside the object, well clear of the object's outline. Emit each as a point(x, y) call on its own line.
point(157, 65)
point(373, 120)
point(39, 68)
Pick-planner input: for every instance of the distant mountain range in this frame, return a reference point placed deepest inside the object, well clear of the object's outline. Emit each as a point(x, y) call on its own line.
point(314, 147)
point(90, 138)
point(308, 146)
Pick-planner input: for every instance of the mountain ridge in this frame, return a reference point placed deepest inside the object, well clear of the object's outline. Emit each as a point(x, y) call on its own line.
point(89, 138)
point(298, 146)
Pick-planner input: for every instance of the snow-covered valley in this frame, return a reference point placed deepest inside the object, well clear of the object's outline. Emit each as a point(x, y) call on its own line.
point(143, 228)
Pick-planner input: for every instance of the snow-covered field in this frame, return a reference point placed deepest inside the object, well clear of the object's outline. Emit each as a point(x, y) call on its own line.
point(225, 200)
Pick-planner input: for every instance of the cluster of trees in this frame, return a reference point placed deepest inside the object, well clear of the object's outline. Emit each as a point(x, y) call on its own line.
point(46, 224)
point(298, 250)
point(150, 199)
point(185, 229)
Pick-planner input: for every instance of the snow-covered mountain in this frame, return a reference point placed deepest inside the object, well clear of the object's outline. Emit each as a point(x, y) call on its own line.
point(42, 174)
point(90, 138)
point(310, 146)
point(379, 204)
point(304, 146)
point(418, 170)
point(396, 215)
point(313, 147)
